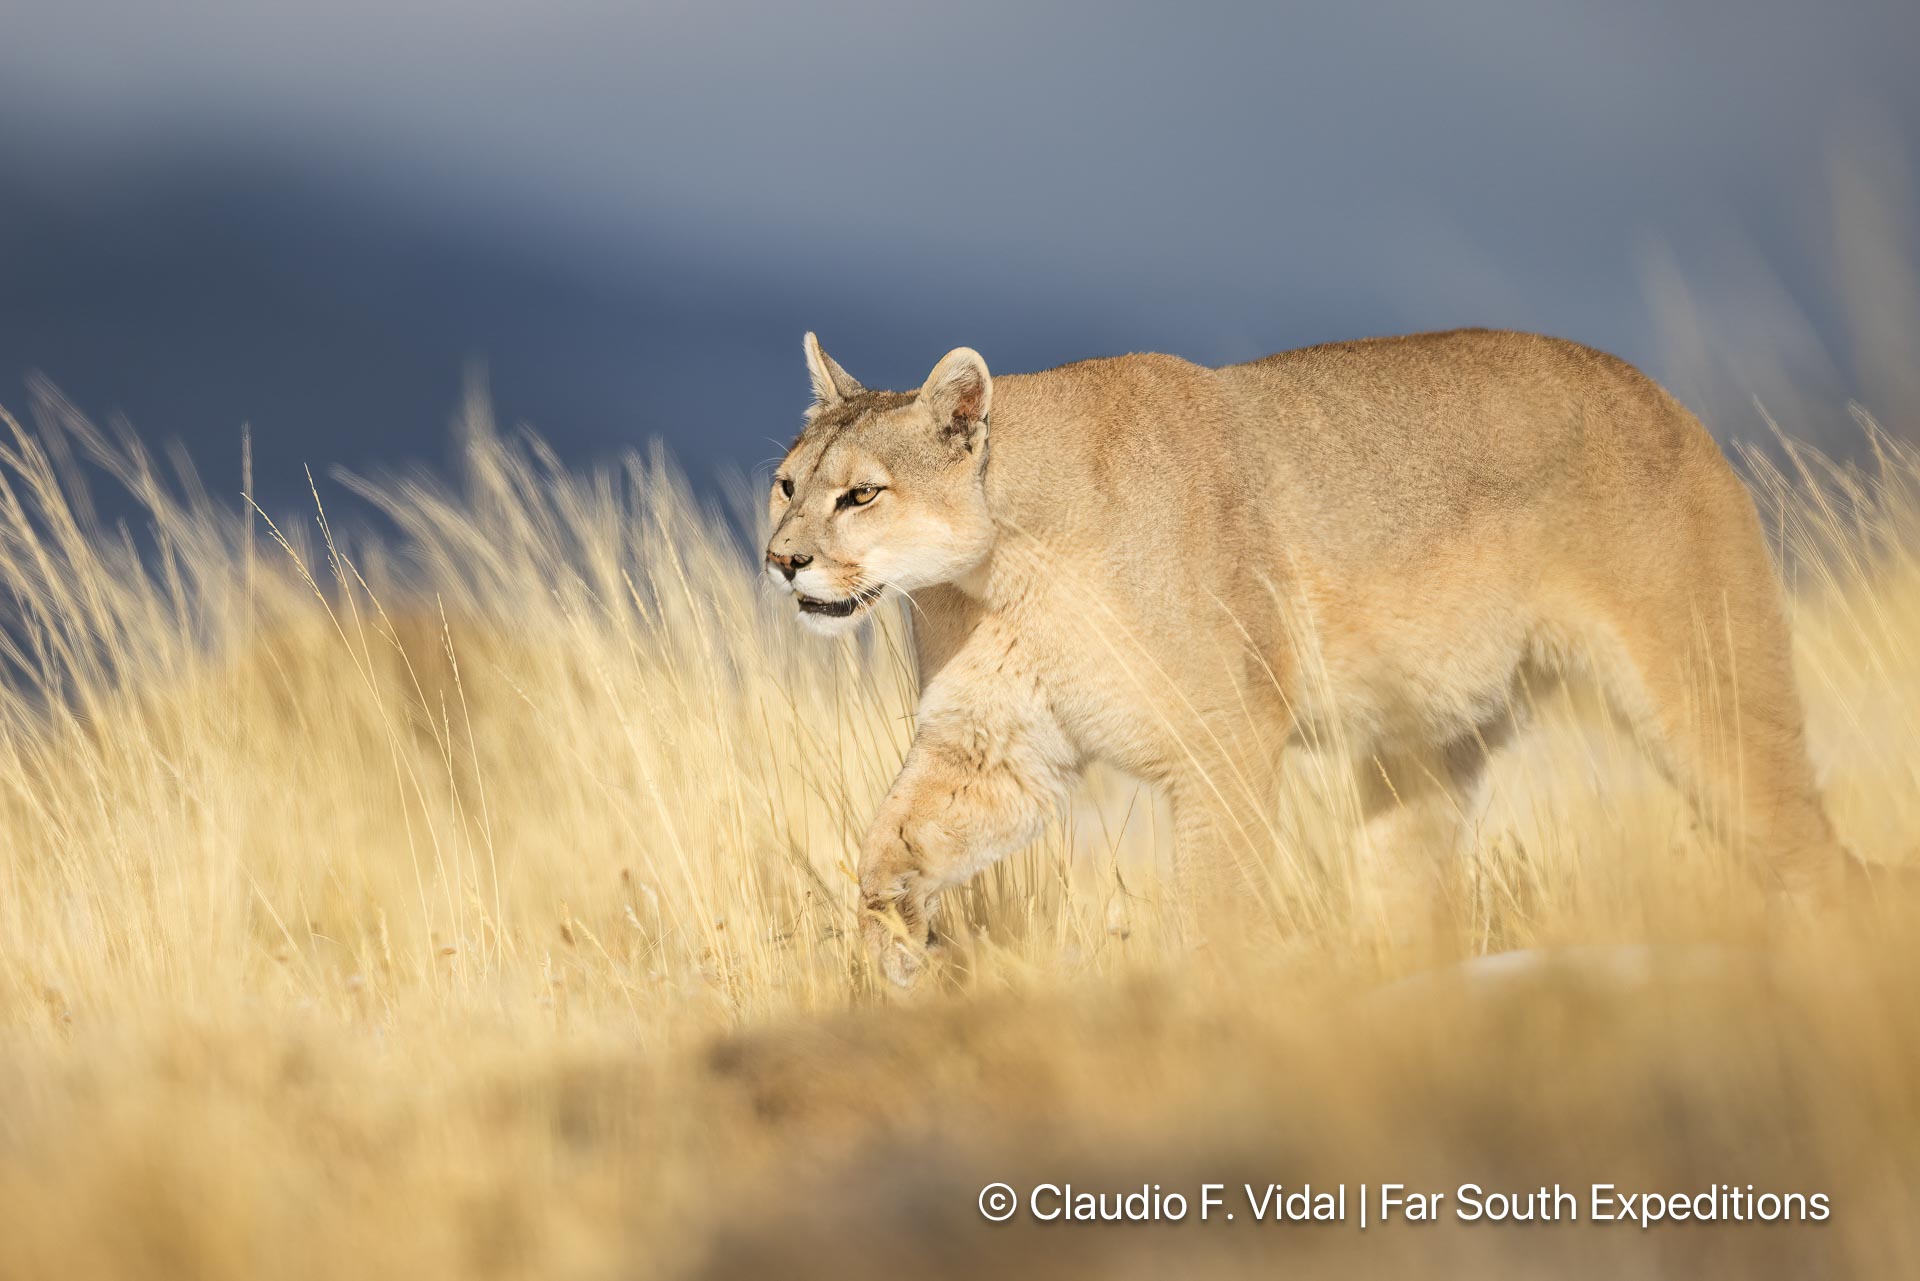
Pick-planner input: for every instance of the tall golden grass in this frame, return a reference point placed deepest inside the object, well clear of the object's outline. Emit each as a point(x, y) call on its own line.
point(474, 898)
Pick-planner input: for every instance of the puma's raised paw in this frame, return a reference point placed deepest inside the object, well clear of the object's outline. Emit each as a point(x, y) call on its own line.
point(897, 940)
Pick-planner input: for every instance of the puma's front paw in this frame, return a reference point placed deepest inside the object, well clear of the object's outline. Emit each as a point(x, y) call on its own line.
point(896, 936)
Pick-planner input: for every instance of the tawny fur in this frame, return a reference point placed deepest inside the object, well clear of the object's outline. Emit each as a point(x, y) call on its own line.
point(1369, 545)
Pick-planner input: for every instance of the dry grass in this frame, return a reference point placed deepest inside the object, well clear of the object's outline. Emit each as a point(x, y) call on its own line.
point(475, 901)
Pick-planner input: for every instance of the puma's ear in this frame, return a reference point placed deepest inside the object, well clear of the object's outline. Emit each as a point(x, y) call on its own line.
point(959, 391)
point(830, 382)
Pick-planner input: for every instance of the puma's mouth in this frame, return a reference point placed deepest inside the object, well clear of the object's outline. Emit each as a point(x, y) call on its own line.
point(840, 608)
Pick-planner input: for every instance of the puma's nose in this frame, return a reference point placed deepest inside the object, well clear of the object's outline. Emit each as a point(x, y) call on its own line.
point(789, 565)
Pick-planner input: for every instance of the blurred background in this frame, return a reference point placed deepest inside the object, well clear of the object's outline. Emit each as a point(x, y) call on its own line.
point(311, 219)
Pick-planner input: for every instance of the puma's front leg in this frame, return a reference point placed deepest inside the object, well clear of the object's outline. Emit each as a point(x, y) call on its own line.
point(987, 764)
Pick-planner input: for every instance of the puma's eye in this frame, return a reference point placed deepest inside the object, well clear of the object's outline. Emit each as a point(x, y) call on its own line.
point(785, 486)
point(861, 496)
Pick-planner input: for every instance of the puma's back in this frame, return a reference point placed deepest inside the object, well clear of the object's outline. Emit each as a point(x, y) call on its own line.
point(1369, 454)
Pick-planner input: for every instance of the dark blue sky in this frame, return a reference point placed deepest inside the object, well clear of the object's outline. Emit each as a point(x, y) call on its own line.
point(308, 218)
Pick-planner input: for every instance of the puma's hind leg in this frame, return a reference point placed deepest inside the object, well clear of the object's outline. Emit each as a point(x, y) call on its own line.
point(1420, 811)
point(1705, 677)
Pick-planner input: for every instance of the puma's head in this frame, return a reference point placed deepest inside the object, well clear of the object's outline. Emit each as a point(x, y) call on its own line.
point(882, 489)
